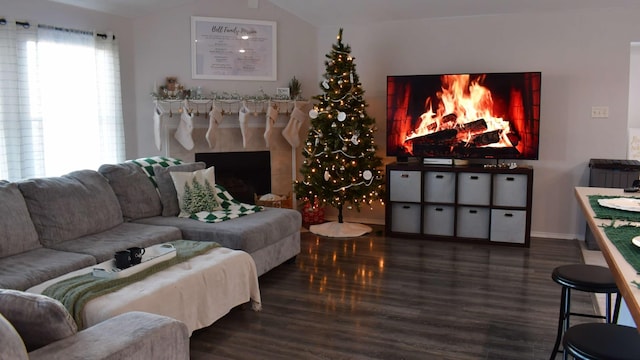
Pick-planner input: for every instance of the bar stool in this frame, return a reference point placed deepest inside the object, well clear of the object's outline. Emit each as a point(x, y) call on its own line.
point(587, 278)
point(598, 341)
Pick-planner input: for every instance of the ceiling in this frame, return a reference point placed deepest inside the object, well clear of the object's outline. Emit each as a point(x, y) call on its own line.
point(340, 12)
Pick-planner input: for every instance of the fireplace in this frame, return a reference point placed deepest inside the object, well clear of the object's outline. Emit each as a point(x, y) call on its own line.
point(243, 173)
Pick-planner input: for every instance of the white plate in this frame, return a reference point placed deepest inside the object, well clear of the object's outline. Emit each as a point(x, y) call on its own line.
point(622, 203)
point(636, 241)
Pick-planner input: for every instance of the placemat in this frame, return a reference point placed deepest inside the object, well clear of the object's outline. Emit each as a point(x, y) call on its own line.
point(621, 237)
point(602, 212)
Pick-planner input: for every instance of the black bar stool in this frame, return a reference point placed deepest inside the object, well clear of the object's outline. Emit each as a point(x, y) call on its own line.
point(598, 341)
point(587, 278)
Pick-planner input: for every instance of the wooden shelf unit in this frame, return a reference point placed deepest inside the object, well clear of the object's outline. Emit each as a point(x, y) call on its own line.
point(489, 205)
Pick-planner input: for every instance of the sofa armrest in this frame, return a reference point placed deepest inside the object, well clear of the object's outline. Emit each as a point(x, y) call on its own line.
point(133, 335)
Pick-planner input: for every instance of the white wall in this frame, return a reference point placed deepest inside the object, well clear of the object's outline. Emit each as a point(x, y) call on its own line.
point(163, 48)
point(583, 56)
point(584, 60)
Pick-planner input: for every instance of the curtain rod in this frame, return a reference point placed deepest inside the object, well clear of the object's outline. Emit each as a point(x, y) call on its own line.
point(26, 25)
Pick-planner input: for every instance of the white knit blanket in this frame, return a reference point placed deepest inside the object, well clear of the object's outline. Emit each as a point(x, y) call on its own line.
point(197, 292)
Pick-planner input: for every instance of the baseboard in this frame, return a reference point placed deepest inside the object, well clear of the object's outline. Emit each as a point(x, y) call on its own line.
point(557, 236)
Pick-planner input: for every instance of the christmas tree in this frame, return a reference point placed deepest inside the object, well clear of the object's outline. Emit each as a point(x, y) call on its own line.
point(340, 166)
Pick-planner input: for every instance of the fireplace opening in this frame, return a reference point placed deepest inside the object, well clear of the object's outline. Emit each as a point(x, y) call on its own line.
point(242, 173)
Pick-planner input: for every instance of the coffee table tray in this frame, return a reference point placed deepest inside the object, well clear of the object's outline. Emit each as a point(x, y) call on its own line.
point(152, 255)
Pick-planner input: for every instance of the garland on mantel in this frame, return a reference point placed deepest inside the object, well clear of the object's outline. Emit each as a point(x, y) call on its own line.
point(223, 96)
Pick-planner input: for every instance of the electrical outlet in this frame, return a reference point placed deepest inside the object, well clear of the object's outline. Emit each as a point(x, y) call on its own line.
point(599, 112)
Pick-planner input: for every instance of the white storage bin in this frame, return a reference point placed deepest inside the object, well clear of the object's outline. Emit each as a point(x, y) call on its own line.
point(473, 222)
point(439, 186)
point(510, 190)
point(404, 186)
point(508, 225)
point(474, 188)
point(438, 220)
point(405, 218)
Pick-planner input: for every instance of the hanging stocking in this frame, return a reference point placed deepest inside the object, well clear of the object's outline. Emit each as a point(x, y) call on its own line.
point(215, 118)
point(157, 126)
point(272, 116)
point(244, 126)
point(185, 127)
point(292, 130)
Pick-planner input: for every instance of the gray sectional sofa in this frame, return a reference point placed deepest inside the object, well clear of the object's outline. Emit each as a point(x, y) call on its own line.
point(52, 226)
point(37, 327)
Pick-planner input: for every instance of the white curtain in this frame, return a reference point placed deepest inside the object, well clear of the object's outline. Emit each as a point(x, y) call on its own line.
point(60, 101)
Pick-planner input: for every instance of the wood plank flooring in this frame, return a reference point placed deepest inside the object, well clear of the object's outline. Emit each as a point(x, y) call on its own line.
point(376, 297)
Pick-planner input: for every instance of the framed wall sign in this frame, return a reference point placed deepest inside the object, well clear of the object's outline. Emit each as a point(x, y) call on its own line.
point(233, 49)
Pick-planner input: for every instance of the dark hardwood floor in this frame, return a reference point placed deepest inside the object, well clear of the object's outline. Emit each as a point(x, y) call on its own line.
point(376, 297)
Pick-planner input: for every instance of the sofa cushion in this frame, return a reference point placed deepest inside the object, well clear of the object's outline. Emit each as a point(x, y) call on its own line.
point(248, 233)
point(17, 233)
point(166, 189)
point(136, 194)
point(24, 270)
point(38, 319)
point(70, 206)
point(196, 191)
point(102, 246)
point(10, 342)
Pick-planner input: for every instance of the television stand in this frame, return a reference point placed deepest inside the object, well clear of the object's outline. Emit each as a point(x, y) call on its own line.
point(484, 205)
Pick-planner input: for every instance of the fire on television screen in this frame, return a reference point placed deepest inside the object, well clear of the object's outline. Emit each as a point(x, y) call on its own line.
point(464, 116)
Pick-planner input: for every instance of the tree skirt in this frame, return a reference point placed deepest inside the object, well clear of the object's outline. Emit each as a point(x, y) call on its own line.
point(340, 230)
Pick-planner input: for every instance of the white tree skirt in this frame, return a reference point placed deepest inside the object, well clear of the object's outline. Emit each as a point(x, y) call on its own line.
point(340, 230)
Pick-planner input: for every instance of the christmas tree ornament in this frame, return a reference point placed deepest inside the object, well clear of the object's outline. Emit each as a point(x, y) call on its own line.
point(333, 125)
point(325, 84)
point(313, 113)
point(327, 175)
point(367, 175)
point(342, 116)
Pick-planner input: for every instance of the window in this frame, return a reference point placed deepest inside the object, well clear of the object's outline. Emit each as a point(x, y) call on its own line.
point(60, 102)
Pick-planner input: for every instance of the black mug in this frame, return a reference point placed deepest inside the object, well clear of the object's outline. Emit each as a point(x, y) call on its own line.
point(135, 255)
point(123, 259)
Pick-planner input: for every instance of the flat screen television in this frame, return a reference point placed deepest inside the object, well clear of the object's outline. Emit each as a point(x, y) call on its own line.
point(464, 116)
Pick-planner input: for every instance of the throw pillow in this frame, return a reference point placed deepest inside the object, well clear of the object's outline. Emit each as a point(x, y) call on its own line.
point(196, 191)
point(166, 189)
point(40, 320)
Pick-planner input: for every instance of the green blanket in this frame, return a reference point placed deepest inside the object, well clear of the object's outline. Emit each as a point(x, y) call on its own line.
point(75, 292)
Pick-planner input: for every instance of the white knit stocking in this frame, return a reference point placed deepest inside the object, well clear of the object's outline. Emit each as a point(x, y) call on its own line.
point(244, 126)
point(272, 116)
point(292, 130)
point(215, 118)
point(157, 127)
point(185, 127)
